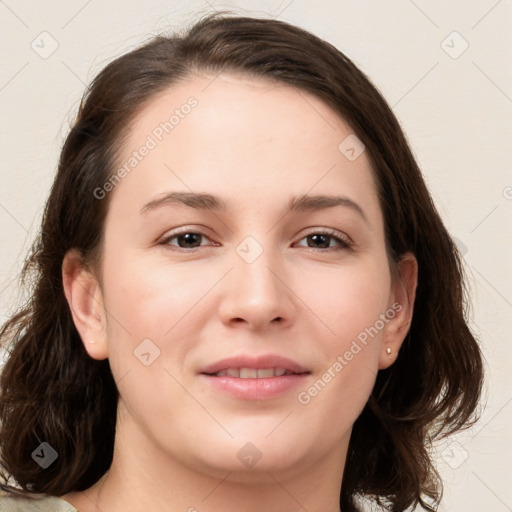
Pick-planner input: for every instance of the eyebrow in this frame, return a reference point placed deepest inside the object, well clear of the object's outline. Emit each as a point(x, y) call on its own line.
point(204, 201)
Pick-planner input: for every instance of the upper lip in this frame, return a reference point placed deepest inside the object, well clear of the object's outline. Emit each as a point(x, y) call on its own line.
point(257, 362)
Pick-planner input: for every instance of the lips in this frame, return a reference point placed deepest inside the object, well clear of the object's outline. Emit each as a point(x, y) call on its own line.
point(245, 367)
point(253, 373)
point(254, 378)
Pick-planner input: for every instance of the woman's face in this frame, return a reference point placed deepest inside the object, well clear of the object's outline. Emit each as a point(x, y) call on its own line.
point(245, 241)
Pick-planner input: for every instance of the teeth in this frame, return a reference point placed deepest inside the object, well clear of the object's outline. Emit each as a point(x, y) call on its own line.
point(265, 373)
point(253, 373)
point(248, 373)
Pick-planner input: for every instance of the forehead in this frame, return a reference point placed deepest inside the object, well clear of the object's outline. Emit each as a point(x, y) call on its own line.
point(231, 134)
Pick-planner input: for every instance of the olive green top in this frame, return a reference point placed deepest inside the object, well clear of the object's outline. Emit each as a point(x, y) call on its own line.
point(39, 504)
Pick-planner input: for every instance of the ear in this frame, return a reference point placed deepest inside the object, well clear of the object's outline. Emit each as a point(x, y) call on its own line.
point(401, 306)
point(85, 300)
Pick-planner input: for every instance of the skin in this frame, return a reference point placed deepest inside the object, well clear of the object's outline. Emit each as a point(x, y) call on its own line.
point(256, 144)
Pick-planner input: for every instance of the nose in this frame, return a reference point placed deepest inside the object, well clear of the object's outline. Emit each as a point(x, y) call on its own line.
point(256, 295)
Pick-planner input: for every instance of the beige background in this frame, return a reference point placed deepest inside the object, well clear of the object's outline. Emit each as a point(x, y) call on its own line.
point(455, 104)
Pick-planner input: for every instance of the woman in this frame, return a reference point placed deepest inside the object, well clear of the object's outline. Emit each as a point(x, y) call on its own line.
point(245, 298)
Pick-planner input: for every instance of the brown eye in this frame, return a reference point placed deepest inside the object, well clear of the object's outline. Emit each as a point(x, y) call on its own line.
point(325, 240)
point(319, 241)
point(185, 240)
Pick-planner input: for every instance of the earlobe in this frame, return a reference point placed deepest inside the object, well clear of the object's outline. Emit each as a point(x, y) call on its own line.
point(85, 300)
point(402, 295)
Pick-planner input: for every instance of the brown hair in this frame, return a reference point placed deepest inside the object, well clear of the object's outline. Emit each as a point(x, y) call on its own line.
point(52, 391)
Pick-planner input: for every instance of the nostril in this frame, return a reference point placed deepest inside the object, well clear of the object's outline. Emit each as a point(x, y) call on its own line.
point(241, 320)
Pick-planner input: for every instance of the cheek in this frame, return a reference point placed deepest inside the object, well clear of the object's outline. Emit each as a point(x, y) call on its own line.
point(149, 333)
point(150, 300)
point(348, 300)
point(352, 310)
point(352, 307)
point(150, 311)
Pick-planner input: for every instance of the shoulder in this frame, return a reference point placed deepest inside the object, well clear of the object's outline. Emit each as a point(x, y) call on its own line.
point(40, 503)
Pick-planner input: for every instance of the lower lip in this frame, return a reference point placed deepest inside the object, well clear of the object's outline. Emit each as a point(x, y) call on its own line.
point(256, 389)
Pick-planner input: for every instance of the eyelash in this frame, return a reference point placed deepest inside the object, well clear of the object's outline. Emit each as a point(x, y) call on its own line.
point(344, 243)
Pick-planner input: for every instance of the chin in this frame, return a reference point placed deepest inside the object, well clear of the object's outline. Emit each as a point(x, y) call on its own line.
point(256, 453)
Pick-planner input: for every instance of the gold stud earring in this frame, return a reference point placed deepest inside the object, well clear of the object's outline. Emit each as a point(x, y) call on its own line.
point(388, 350)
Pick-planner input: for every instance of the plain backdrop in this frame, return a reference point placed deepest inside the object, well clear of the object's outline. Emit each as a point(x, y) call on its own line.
point(444, 67)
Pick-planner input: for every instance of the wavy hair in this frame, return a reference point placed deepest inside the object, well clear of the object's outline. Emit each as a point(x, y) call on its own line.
point(51, 390)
